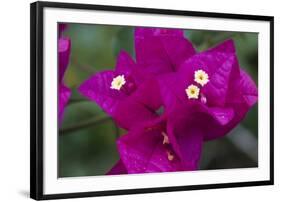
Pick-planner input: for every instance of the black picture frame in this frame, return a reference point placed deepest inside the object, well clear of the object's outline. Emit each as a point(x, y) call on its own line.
point(36, 99)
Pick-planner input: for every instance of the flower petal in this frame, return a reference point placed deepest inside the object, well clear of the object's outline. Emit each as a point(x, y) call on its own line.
point(64, 94)
point(142, 151)
point(97, 88)
point(117, 169)
point(226, 46)
point(64, 55)
point(171, 91)
point(125, 63)
point(161, 50)
point(189, 126)
point(127, 110)
point(148, 32)
point(222, 115)
point(149, 95)
point(248, 93)
point(242, 95)
point(129, 113)
point(219, 67)
point(188, 141)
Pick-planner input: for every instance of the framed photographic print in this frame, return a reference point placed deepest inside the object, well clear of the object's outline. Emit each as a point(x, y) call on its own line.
point(134, 100)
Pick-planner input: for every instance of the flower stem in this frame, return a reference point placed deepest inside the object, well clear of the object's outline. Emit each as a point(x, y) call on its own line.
point(84, 124)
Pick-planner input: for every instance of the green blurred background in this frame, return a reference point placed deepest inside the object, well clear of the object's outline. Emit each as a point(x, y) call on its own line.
point(87, 136)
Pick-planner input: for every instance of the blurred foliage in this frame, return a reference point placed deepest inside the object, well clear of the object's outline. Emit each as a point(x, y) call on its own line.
point(87, 136)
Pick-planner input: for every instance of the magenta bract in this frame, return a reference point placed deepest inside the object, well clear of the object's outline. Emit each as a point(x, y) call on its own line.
point(64, 47)
point(203, 96)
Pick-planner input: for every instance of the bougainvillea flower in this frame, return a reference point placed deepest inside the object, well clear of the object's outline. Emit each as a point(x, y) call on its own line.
point(147, 149)
point(206, 98)
point(125, 93)
point(130, 93)
point(160, 50)
point(205, 95)
point(64, 46)
point(212, 89)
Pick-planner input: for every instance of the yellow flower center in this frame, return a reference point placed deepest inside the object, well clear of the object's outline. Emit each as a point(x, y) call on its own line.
point(118, 82)
point(201, 77)
point(165, 138)
point(192, 92)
